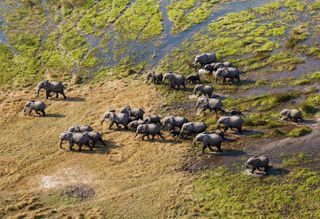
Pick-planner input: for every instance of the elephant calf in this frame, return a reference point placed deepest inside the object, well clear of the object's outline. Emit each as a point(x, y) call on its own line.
point(174, 121)
point(156, 119)
point(232, 122)
point(192, 128)
point(37, 106)
point(149, 129)
point(134, 124)
point(80, 128)
point(205, 58)
point(209, 140)
point(116, 118)
point(155, 78)
point(291, 114)
point(75, 138)
point(201, 89)
point(212, 104)
point(193, 78)
point(136, 113)
point(258, 163)
point(95, 137)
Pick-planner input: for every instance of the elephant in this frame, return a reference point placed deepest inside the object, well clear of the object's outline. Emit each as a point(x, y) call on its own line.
point(201, 89)
point(209, 103)
point(203, 71)
point(234, 112)
point(174, 133)
point(136, 113)
point(258, 163)
point(134, 124)
point(155, 78)
point(176, 80)
point(208, 140)
point(193, 78)
point(156, 119)
point(80, 128)
point(95, 137)
point(228, 72)
point(174, 121)
point(291, 114)
point(116, 118)
point(233, 122)
point(37, 106)
point(55, 87)
point(149, 129)
point(192, 128)
point(75, 138)
point(205, 58)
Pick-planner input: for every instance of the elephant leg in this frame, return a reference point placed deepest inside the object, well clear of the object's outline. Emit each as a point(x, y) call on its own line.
point(102, 142)
point(118, 126)
point(37, 112)
point(79, 147)
point(47, 94)
point(259, 168)
point(144, 136)
point(30, 111)
point(64, 96)
point(203, 148)
point(240, 130)
point(184, 86)
point(161, 136)
point(88, 145)
point(94, 144)
point(57, 95)
point(152, 137)
point(43, 112)
point(210, 148)
point(126, 127)
point(110, 126)
point(253, 169)
point(224, 80)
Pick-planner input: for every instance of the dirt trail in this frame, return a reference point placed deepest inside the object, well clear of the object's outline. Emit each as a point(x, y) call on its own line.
point(131, 178)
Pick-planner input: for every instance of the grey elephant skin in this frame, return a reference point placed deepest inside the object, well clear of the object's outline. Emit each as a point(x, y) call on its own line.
point(80, 128)
point(205, 58)
point(230, 72)
point(134, 113)
point(156, 119)
point(215, 66)
point(176, 80)
point(96, 137)
point(201, 89)
point(149, 129)
point(192, 128)
point(258, 163)
point(75, 138)
point(209, 140)
point(54, 87)
point(232, 122)
point(174, 121)
point(155, 78)
point(116, 118)
point(36, 106)
point(134, 124)
point(291, 114)
point(212, 104)
point(193, 78)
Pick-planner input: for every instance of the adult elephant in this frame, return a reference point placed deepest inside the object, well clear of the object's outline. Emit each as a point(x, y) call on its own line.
point(149, 129)
point(176, 80)
point(212, 104)
point(257, 163)
point(209, 140)
point(75, 138)
point(54, 87)
point(232, 122)
point(133, 113)
point(230, 72)
point(204, 59)
point(192, 128)
point(174, 121)
point(116, 118)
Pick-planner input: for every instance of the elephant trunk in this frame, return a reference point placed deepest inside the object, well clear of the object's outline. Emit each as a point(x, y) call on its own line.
point(61, 144)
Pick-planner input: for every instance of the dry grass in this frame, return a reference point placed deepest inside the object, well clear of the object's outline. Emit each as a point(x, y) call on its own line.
point(131, 178)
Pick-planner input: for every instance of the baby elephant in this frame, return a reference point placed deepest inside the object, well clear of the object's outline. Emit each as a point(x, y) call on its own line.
point(233, 122)
point(116, 118)
point(134, 124)
point(156, 119)
point(258, 163)
point(95, 137)
point(75, 138)
point(193, 78)
point(37, 106)
point(155, 78)
point(149, 129)
point(174, 121)
point(228, 72)
point(212, 104)
point(293, 114)
point(80, 128)
point(136, 113)
point(201, 89)
point(209, 140)
point(192, 128)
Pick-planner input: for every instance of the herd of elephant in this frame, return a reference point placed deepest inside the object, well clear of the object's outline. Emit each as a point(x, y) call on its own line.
point(178, 126)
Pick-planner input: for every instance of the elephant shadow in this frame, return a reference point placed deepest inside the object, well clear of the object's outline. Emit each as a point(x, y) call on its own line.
point(309, 122)
point(165, 141)
point(227, 153)
point(70, 99)
point(277, 172)
point(54, 116)
point(244, 82)
point(250, 132)
point(101, 149)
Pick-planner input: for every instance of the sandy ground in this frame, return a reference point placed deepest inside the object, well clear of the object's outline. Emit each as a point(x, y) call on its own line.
point(131, 178)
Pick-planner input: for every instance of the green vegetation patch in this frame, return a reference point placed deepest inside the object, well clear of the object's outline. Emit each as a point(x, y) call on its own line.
point(299, 131)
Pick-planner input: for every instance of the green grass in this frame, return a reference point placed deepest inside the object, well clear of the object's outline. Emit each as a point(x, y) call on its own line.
point(297, 160)
point(220, 193)
point(299, 131)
